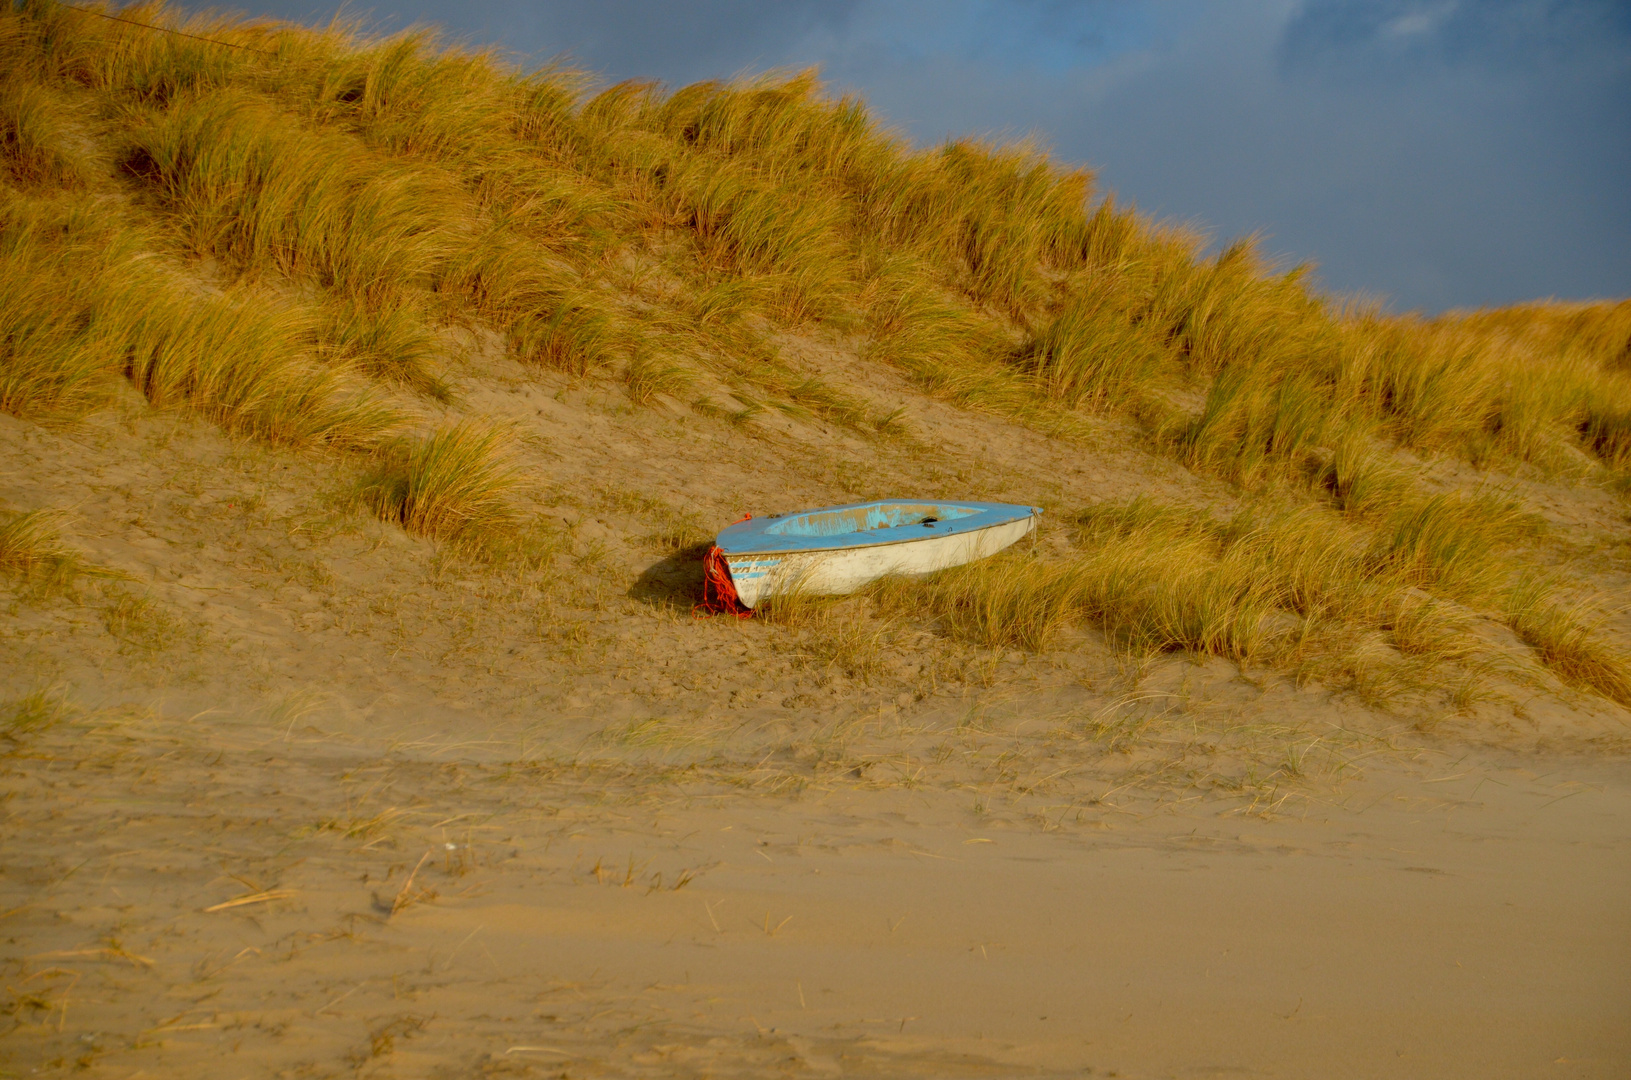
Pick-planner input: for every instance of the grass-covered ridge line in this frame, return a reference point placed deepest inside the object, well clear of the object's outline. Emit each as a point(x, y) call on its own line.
point(279, 236)
point(414, 185)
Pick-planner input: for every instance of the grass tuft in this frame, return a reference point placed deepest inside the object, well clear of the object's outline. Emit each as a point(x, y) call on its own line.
point(580, 334)
point(390, 342)
point(60, 343)
point(138, 621)
point(1567, 638)
point(650, 376)
point(32, 548)
point(241, 360)
point(458, 484)
point(1360, 477)
point(33, 143)
point(1091, 356)
point(34, 713)
point(1451, 542)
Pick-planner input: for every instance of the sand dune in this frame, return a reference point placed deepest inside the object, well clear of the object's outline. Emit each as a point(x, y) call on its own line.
point(366, 409)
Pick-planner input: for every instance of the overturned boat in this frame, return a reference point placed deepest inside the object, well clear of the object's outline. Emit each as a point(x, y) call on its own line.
point(838, 549)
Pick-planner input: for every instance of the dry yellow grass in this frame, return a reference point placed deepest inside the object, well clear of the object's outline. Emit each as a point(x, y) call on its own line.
point(33, 713)
point(32, 549)
point(32, 137)
point(459, 483)
point(1380, 608)
point(407, 182)
point(1568, 638)
point(274, 237)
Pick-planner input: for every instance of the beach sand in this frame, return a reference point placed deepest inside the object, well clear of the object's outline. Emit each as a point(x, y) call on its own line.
point(221, 904)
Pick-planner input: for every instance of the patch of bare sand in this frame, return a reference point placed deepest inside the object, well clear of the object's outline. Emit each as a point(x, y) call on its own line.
point(208, 896)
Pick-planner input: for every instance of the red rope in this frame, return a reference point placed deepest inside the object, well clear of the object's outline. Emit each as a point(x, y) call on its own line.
point(718, 590)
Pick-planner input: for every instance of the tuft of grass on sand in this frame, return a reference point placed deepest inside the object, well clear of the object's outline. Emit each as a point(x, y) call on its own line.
point(33, 713)
point(391, 342)
point(241, 361)
point(1452, 542)
point(578, 333)
point(460, 483)
point(1091, 356)
point(140, 622)
point(56, 358)
point(1360, 476)
point(650, 376)
point(88, 307)
point(32, 549)
point(1568, 639)
point(34, 147)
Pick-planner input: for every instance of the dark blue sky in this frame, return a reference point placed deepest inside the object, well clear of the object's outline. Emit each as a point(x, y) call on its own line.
point(1435, 153)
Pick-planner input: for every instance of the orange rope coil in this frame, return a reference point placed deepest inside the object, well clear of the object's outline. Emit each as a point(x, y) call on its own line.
point(718, 590)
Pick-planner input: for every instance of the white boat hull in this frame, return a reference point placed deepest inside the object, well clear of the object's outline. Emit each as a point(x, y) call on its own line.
point(843, 570)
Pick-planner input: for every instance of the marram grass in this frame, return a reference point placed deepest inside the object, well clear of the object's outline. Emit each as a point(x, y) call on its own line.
point(1568, 637)
point(459, 484)
point(276, 237)
point(34, 552)
point(396, 182)
point(1379, 611)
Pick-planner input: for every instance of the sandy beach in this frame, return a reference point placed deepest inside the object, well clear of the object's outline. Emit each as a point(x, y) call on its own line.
point(224, 905)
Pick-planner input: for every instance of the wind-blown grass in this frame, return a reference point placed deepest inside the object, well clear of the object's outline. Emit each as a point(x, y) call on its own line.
point(650, 375)
point(1361, 477)
point(32, 550)
point(1092, 357)
point(239, 360)
point(33, 713)
point(1451, 543)
point(33, 137)
point(56, 356)
point(389, 342)
point(88, 308)
point(1306, 589)
point(398, 176)
point(579, 333)
point(1568, 639)
point(242, 181)
point(459, 483)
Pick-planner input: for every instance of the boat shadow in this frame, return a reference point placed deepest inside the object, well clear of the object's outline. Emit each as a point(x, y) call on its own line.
point(673, 582)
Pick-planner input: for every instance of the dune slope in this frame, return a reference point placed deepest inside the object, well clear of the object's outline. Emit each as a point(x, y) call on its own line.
point(366, 407)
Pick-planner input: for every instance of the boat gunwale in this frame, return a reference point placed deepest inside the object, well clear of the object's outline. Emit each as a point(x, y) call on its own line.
point(786, 552)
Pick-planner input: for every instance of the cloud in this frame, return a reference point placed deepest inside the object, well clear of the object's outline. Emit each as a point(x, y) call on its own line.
point(1439, 152)
point(681, 43)
point(1436, 154)
point(1496, 136)
point(1370, 40)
